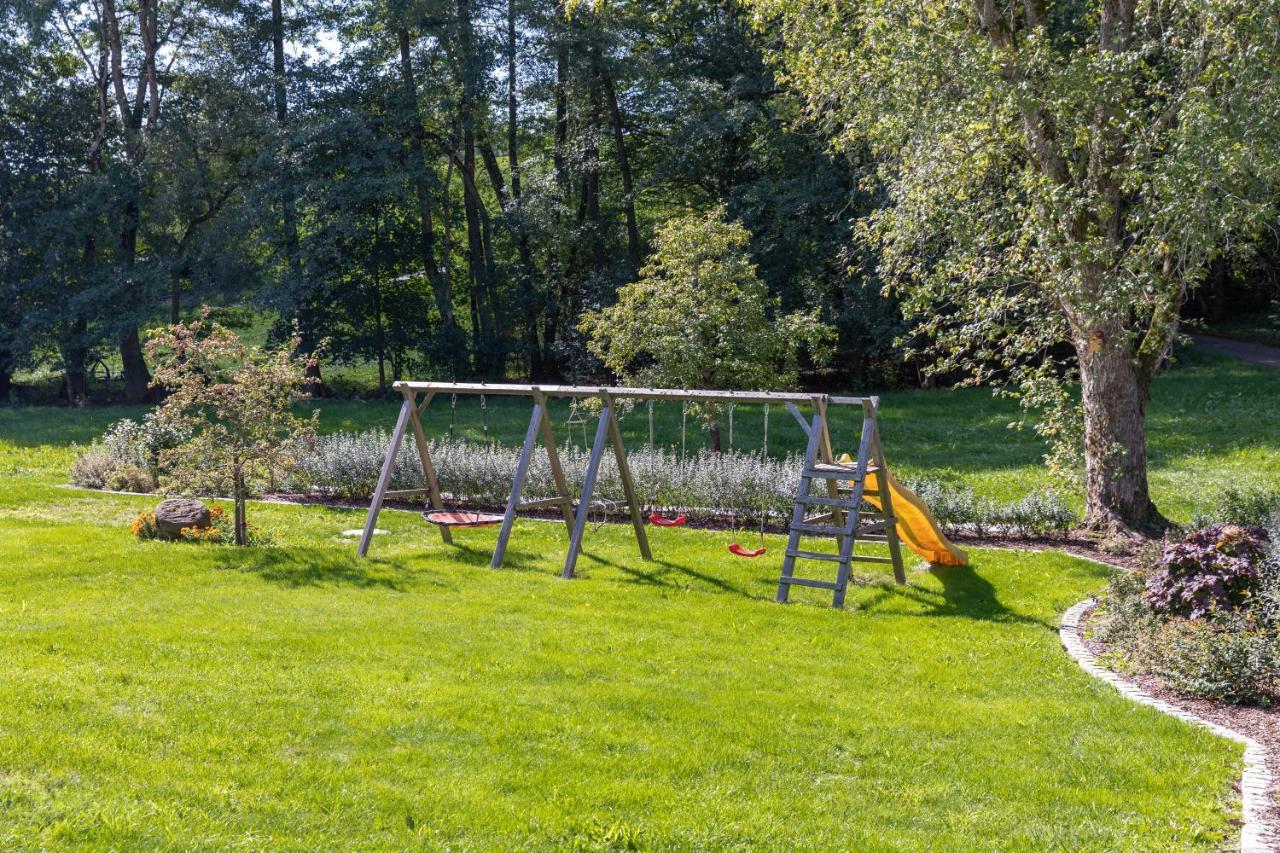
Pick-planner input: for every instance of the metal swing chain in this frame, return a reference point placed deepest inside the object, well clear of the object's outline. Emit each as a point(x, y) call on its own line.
point(684, 417)
point(453, 409)
point(650, 424)
point(765, 450)
point(484, 416)
point(731, 426)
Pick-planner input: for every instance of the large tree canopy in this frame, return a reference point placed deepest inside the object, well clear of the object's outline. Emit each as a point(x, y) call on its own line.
point(1056, 174)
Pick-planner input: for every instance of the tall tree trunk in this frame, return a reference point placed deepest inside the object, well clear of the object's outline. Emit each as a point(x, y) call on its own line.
point(6, 374)
point(513, 157)
point(1114, 395)
point(75, 360)
point(133, 365)
point(624, 168)
point(478, 257)
point(289, 205)
point(591, 181)
point(440, 287)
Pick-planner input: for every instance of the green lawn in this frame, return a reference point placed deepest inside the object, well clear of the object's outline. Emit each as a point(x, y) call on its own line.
point(1261, 326)
point(160, 695)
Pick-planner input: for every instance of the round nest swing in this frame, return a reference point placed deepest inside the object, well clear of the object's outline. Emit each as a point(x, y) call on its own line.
point(460, 518)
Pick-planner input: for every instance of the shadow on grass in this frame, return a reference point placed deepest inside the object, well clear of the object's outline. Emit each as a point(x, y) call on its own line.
point(301, 566)
point(965, 594)
point(659, 576)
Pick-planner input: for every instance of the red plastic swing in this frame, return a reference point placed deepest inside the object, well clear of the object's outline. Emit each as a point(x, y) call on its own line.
point(664, 521)
point(738, 551)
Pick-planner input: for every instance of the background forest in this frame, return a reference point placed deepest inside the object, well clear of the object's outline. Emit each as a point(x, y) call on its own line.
point(438, 188)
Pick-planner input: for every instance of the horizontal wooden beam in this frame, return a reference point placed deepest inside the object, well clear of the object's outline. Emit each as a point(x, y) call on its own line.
point(697, 395)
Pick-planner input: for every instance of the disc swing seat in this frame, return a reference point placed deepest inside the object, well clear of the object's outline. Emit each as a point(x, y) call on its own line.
point(462, 517)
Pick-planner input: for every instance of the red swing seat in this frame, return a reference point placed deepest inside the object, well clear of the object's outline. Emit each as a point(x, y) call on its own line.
point(664, 521)
point(460, 518)
point(738, 551)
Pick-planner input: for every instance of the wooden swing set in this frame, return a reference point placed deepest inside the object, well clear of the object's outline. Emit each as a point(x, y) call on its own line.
point(843, 510)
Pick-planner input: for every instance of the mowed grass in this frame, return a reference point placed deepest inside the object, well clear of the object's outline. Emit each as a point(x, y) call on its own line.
point(159, 695)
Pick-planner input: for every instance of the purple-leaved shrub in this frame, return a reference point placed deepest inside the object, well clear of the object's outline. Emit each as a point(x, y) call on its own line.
point(1214, 568)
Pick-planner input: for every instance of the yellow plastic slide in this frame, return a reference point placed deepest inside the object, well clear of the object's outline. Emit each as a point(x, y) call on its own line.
point(916, 525)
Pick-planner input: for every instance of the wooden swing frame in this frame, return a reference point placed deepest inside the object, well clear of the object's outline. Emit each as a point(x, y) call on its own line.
point(418, 396)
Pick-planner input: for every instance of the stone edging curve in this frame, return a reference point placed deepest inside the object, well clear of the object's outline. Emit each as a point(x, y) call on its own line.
point(1255, 781)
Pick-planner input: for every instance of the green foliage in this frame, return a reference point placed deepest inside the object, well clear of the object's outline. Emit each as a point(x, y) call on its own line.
point(233, 404)
point(700, 317)
point(1229, 648)
point(1254, 505)
point(1058, 177)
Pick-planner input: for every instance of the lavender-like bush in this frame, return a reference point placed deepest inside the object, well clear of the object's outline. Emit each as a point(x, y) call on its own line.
point(1214, 568)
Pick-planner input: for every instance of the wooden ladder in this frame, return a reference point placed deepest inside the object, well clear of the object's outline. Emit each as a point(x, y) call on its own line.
point(845, 517)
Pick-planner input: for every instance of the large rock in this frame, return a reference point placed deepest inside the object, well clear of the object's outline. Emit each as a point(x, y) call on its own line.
point(176, 513)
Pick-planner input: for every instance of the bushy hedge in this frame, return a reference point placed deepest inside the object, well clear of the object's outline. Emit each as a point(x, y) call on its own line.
point(345, 466)
point(1204, 617)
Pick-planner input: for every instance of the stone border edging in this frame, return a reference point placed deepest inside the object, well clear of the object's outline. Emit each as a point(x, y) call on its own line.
point(1255, 781)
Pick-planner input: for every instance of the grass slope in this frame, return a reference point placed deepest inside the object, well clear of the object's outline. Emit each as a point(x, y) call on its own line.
point(206, 697)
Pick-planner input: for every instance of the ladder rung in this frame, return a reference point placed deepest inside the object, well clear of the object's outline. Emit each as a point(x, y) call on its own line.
point(831, 472)
point(809, 582)
point(814, 519)
point(814, 500)
point(821, 529)
point(885, 560)
point(815, 555)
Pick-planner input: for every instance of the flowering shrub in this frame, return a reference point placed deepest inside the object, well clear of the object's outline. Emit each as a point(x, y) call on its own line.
point(346, 465)
point(1215, 568)
point(144, 526)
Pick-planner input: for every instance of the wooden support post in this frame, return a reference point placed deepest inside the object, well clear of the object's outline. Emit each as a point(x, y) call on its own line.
point(553, 459)
point(588, 487)
point(828, 456)
point(513, 500)
point(424, 457)
point(624, 474)
point(384, 478)
point(870, 409)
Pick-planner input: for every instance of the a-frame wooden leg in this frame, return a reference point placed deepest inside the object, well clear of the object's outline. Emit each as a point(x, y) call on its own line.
point(384, 478)
point(628, 485)
point(424, 456)
point(588, 487)
point(553, 459)
point(517, 484)
point(886, 495)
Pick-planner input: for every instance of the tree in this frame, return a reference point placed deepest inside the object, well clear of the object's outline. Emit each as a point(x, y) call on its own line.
point(1056, 174)
point(700, 317)
point(235, 402)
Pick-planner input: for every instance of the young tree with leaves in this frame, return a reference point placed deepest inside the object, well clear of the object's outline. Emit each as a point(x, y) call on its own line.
point(1055, 174)
point(234, 401)
point(700, 317)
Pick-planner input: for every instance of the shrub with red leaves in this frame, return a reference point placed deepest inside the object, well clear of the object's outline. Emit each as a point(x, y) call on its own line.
point(1214, 568)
